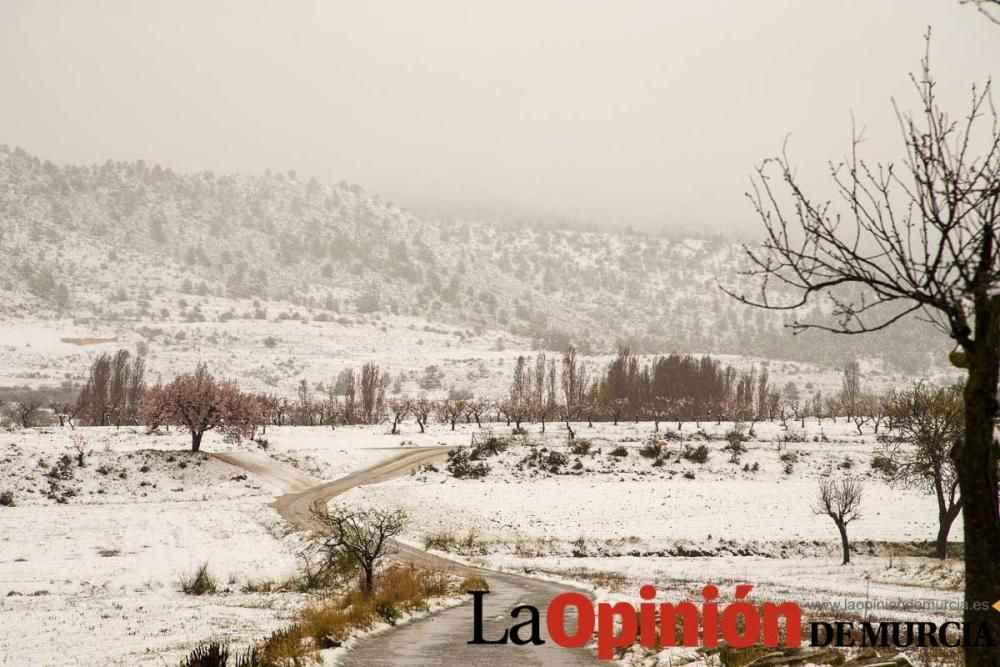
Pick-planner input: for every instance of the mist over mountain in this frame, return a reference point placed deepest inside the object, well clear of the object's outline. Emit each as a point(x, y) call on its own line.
point(134, 244)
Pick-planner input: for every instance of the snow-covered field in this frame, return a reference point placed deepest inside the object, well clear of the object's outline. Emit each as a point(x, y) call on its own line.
point(94, 579)
point(615, 523)
point(89, 565)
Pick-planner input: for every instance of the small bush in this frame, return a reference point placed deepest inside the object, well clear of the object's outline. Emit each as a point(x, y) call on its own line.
point(789, 457)
point(619, 452)
point(462, 466)
point(697, 454)
point(7, 499)
point(688, 475)
point(651, 450)
point(200, 582)
point(63, 469)
point(387, 612)
point(580, 447)
point(491, 445)
point(551, 461)
point(736, 449)
point(883, 464)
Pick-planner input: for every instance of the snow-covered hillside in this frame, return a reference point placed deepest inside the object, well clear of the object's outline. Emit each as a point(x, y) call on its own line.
point(132, 250)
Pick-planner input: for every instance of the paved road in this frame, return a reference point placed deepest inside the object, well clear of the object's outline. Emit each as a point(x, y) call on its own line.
point(440, 639)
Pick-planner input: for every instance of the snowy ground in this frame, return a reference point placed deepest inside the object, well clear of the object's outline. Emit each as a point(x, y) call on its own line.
point(619, 522)
point(96, 577)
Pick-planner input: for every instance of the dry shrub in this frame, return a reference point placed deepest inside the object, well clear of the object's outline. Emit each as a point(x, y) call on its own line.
point(399, 589)
point(443, 540)
point(474, 582)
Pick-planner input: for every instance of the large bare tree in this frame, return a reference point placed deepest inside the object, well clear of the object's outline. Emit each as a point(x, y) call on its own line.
point(917, 238)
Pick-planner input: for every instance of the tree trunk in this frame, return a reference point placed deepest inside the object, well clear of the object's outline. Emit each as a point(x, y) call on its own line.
point(945, 520)
point(196, 440)
point(845, 545)
point(368, 581)
point(976, 464)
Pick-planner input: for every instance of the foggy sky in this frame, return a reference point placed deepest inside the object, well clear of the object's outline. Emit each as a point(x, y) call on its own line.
point(650, 114)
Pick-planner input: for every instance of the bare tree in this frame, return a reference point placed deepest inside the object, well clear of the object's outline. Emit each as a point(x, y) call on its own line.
point(65, 412)
point(136, 388)
point(850, 388)
point(372, 393)
point(121, 368)
point(840, 499)
point(24, 408)
point(350, 389)
point(919, 238)
point(94, 397)
point(364, 537)
point(398, 409)
point(451, 410)
point(570, 378)
point(929, 423)
point(79, 445)
point(988, 8)
point(478, 407)
point(421, 409)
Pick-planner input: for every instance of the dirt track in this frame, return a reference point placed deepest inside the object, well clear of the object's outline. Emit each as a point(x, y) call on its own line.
point(440, 639)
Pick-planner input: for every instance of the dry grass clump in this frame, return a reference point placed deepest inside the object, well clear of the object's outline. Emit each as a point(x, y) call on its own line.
point(400, 589)
point(199, 582)
point(474, 582)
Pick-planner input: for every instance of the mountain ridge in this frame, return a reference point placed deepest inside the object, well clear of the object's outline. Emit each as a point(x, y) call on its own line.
point(126, 242)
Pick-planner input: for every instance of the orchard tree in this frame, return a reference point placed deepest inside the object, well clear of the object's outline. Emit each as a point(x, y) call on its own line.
point(198, 402)
point(421, 409)
point(929, 424)
point(450, 410)
point(398, 409)
point(918, 237)
point(24, 408)
point(840, 499)
point(477, 408)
